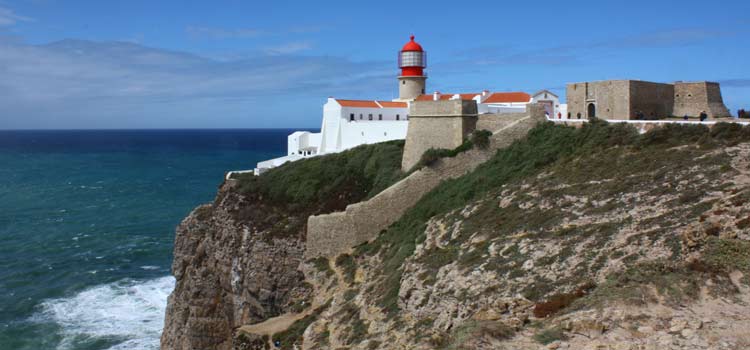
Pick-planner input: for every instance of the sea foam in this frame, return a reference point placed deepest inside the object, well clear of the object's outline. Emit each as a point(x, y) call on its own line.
point(130, 311)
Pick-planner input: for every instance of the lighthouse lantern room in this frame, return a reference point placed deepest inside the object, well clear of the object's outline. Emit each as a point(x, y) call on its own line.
point(412, 60)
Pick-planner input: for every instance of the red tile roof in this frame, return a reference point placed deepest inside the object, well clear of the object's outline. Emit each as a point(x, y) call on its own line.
point(445, 97)
point(371, 104)
point(495, 97)
point(358, 103)
point(389, 104)
point(508, 97)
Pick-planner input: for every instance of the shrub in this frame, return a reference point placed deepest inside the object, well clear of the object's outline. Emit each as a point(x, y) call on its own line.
point(322, 265)
point(348, 266)
point(465, 335)
point(354, 175)
point(481, 138)
point(549, 335)
point(431, 156)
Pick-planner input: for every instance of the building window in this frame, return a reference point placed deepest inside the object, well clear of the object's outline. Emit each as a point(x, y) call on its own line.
point(351, 117)
point(403, 82)
point(380, 117)
point(407, 117)
point(398, 117)
point(360, 116)
point(370, 116)
point(385, 134)
point(568, 115)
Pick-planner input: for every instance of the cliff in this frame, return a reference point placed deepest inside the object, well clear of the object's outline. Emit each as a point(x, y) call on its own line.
point(236, 260)
point(594, 237)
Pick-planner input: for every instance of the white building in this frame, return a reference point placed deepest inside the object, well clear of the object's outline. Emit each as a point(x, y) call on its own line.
point(350, 123)
point(346, 124)
point(551, 103)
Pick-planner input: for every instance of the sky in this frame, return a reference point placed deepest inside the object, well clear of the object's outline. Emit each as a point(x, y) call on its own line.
point(93, 64)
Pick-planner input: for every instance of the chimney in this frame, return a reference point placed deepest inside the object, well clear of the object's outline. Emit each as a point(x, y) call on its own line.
point(436, 96)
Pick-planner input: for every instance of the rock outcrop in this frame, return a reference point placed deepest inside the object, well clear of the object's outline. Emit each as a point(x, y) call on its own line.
point(229, 273)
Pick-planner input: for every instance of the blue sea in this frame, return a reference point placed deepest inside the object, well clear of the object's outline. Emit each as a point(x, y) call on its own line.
point(87, 223)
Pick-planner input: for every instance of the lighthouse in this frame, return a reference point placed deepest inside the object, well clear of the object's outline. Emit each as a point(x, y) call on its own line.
point(412, 60)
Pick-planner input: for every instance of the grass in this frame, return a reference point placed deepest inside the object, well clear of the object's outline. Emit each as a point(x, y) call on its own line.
point(471, 333)
point(281, 199)
point(727, 255)
point(348, 267)
point(544, 146)
point(322, 265)
point(357, 173)
point(549, 335)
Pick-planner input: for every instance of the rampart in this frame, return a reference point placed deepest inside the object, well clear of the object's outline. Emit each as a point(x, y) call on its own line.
point(437, 124)
point(335, 233)
point(692, 98)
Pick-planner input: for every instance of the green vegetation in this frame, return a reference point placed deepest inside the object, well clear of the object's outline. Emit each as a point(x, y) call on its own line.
point(322, 265)
point(549, 335)
point(279, 201)
point(345, 177)
point(348, 267)
point(727, 255)
point(597, 149)
point(464, 336)
point(479, 139)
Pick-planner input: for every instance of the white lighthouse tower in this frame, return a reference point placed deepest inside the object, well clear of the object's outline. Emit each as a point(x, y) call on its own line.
point(412, 60)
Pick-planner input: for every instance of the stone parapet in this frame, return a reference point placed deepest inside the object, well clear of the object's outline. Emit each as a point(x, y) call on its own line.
point(437, 124)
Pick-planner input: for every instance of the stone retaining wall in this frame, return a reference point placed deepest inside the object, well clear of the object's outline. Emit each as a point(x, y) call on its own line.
point(333, 234)
point(497, 121)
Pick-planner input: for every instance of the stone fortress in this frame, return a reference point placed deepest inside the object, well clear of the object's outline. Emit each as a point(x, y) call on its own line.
point(446, 121)
point(438, 122)
point(626, 99)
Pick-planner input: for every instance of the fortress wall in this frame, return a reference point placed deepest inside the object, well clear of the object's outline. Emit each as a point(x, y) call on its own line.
point(576, 96)
point(437, 124)
point(693, 98)
point(654, 100)
point(333, 234)
point(611, 98)
point(497, 121)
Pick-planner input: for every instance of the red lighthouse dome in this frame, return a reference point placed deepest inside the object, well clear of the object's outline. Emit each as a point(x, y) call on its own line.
point(412, 59)
point(412, 45)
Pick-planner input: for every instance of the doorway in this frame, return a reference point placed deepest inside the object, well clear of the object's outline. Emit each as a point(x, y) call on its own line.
point(592, 110)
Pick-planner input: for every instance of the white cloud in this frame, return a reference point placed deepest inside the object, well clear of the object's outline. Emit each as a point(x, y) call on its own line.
point(117, 79)
point(9, 18)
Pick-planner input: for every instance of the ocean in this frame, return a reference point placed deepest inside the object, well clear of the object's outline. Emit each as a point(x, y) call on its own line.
point(87, 223)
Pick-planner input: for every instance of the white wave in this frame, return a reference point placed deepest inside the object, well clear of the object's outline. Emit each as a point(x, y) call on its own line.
point(128, 310)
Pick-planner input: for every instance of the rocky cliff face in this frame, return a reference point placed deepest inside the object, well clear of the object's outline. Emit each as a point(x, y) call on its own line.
point(237, 260)
point(589, 238)
point(229, 272)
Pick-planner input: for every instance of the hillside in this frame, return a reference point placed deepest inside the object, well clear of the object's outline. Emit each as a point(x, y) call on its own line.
point(591, 237)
